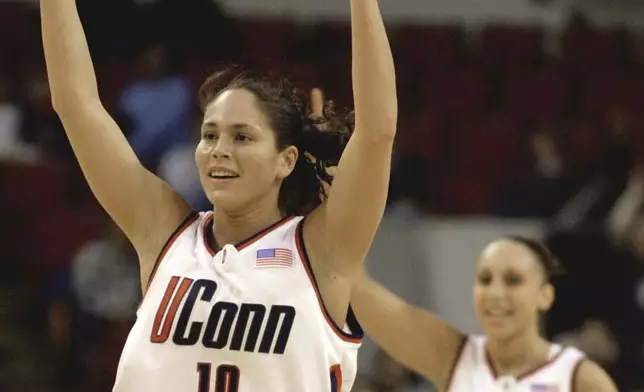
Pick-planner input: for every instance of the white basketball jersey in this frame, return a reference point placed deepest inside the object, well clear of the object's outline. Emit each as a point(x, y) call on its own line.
point(246, 318)
point(473, 372)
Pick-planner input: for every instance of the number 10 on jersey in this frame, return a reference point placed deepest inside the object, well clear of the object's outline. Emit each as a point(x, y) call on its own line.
point(226, 378)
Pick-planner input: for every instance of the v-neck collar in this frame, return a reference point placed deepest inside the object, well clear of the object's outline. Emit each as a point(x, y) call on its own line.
point(213, 247)
point(524, 375)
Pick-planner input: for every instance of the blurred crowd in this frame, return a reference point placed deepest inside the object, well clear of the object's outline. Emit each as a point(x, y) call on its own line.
point(505, 121)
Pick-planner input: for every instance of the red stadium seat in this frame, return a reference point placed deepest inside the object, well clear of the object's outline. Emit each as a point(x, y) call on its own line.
point(330, 39)
point(11, 233)
point(32, 189)
point(457, 94)
point(611, 91)
point(421, 136)
point(18, 23)
point(302, 75)
point(265, 38)
point(589, 49)
point(637, 94)
point(113, 77)
point(425, 47)
point(197, 72)
point(57, 236)
point(464, 193)
point(488, 147)
point(582, 142)
point(305, 76)
point(335, 76)
point(511, 47)
point(541, 95)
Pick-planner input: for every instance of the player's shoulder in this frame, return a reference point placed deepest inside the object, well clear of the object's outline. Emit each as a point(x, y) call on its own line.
point(570, 352)
point(289, 224)
point(192, 223)
point(590, 377)
point(472, 350)
point(285, 230)
point(187, 226)
point(185, 235)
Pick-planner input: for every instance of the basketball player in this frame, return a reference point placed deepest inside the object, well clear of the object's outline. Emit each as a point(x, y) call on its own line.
point(255, 295)
point(511, 291)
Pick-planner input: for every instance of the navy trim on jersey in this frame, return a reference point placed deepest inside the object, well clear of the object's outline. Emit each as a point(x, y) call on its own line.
point(334, 383)
point(351, 320)
point(168, 243)
point(335, 375)
point(457, 361)
point(211, 241)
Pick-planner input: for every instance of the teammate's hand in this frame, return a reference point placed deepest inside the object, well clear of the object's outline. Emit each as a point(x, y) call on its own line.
point(317, 110)
point(317, 102)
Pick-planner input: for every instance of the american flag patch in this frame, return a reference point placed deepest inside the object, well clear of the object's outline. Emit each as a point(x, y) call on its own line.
point(544, 388)
point(274, 257)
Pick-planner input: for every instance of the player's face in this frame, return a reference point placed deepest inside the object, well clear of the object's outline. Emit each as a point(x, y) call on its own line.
point(509, 291)
point(237, 157)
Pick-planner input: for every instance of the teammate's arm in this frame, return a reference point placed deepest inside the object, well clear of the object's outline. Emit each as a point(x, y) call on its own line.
point(412, 336)
point(341, 231)
point(590, 377)
point(145, 207)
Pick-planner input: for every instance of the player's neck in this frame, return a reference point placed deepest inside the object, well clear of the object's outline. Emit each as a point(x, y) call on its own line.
point(518, 355)
point(234, 228)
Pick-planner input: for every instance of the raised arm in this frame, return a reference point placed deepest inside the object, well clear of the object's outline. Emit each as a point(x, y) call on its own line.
point(145, 207)
point(341, 231)
point(412, 336)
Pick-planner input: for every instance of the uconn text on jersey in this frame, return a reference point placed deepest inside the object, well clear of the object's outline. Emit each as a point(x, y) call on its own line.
point(266, 330)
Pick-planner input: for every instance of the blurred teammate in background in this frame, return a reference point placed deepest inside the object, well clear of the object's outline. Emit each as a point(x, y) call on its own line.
point(512, 290)
point(255, 295)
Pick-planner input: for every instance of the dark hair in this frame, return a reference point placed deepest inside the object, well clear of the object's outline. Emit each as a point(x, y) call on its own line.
point(549, 262)
point(320, 139)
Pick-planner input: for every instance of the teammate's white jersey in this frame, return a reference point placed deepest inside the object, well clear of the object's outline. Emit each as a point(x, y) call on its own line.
point(247, 318)
point(474, 373)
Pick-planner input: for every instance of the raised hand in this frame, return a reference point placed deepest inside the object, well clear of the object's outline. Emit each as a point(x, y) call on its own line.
point(317, 102)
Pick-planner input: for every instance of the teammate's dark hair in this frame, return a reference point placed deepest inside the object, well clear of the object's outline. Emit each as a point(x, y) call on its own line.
point(320, 140)
point(549, 262)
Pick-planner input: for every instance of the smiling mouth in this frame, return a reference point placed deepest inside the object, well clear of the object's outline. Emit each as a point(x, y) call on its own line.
point(222, 175)
point(497, 313)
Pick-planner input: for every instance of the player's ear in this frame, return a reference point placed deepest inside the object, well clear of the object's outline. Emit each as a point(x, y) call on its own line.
point(546, 297)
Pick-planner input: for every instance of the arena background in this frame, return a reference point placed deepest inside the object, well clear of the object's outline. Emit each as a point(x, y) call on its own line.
point(516, 116)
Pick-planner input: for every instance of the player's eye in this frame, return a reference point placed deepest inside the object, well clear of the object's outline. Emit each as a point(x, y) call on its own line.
point(243, 137)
